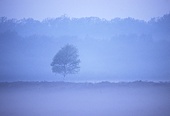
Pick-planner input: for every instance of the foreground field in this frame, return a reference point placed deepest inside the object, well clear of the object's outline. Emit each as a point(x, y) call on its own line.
point(84, 99)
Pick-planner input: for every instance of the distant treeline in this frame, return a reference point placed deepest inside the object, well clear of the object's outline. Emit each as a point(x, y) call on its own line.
point(88, 27)
point(30, 32)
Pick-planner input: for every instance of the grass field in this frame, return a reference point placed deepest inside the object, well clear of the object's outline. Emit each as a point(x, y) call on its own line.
point(84, 99)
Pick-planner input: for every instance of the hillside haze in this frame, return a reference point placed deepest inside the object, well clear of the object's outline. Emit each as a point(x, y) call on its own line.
point(109, 50)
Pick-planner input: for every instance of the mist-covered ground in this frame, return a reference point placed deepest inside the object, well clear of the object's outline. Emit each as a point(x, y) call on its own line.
point(84, 99)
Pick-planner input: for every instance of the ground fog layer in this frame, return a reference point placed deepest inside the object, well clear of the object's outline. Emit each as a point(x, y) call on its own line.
point(84, 99)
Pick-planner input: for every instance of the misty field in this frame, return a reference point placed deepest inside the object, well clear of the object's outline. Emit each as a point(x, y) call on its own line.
point(84, 99)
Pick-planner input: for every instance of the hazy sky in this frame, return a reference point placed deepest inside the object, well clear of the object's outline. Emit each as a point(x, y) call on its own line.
point(108, 9)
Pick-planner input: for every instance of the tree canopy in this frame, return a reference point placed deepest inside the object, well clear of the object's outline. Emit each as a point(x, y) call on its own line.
point(66, 61)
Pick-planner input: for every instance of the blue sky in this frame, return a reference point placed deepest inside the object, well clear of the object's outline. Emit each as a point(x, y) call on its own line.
point(108, 9)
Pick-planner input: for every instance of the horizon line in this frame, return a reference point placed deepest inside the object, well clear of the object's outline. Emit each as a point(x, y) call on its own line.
point(71, 18)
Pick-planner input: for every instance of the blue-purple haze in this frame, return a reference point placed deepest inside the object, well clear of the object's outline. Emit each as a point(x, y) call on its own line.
point(115, 49)
point(117, 40)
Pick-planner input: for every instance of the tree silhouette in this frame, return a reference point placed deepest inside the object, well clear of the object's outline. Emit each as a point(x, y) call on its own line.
point(66, 61)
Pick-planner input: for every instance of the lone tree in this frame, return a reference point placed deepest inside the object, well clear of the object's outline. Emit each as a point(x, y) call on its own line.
point(66, 61)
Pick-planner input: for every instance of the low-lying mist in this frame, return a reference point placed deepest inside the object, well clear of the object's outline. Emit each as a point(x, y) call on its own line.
point(116, 50)
point(92, 99)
